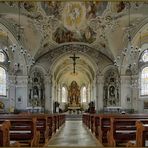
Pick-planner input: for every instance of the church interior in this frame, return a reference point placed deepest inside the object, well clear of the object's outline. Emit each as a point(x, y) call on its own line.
point(74, 73)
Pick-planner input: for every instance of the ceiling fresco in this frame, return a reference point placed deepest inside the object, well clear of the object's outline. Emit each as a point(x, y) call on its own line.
point(74, 20)
point(46, 25)
point(52, 31)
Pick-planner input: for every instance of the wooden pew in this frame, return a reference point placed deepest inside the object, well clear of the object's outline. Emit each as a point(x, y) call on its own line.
point(123, 129)
point(42, 127)
point(22, 129)
point(86, 119)
point(101, 123)
point(50, 122)
point(104, 126)
point(55, 122)
point(46, 124)
point(92, 122)
point(4, 134)
point(96, 126)
point(141, 134)
point(61, 119)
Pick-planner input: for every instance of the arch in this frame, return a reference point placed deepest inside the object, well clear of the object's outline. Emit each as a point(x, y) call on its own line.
point(39, 68)
point(84, 67)
point(14, 56)
point(108, 68)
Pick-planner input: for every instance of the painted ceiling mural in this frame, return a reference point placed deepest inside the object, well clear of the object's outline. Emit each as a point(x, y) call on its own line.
point(74, 18)
point(48, 24)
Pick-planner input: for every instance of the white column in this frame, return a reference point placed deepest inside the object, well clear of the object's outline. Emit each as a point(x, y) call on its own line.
point(126, 96)
point(11, 93)
point(21, 92)
point(135, 94)
point(48, 94)
point(99, 92)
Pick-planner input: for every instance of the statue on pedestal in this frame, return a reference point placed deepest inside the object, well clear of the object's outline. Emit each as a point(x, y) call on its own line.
point(74, 94)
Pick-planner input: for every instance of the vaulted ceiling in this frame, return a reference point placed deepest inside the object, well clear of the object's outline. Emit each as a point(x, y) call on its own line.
point(52, 27)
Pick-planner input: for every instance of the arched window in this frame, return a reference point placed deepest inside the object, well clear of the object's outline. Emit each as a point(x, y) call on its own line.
point(145, 56)
point(83, 94)
point(64, 94)
point(144, 81)
point(2, 57)
point(2, 82)
point(144, 73)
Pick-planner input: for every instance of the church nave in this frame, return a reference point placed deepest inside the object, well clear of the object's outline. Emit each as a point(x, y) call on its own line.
point(74, 133)
point(73, 73)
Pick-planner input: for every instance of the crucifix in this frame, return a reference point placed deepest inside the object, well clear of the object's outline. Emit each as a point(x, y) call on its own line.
point(74, 58)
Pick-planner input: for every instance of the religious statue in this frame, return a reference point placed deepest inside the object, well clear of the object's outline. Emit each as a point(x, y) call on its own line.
point(74, 94)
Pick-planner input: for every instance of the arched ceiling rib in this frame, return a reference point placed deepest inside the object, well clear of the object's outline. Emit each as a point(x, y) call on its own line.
point(46, 26)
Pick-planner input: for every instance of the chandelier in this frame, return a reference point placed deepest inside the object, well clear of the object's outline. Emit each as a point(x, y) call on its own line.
point(131, 51)
point(29, 60)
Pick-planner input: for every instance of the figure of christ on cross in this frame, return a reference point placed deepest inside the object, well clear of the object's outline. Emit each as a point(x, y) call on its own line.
point(74, 58)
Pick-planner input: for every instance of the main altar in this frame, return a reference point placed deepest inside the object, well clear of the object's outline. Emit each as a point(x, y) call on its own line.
point(74, 103)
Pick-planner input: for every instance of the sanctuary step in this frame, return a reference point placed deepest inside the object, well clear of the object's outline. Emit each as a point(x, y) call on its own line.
point(74, 117)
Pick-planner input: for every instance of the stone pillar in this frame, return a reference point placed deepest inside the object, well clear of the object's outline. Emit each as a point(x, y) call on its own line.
point(135, 94)
point(48, 94)
point(91, 91)
point(12, 93)
point(125, 92)
point(94, 90)
point(99, 92)
point(21, 92)
point(89, 94)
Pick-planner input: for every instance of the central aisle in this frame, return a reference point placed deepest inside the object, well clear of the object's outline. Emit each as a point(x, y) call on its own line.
point(74, 133)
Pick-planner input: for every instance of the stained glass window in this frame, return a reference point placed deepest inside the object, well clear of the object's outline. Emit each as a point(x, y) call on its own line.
point(2, 57)
point(64, 94)
point(84, 94)
point(2, 81)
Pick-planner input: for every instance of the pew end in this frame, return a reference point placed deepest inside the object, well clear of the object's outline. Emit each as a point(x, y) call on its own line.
point(130, 144)
point(14, 144)
point(110, 139)
point(35, 141)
